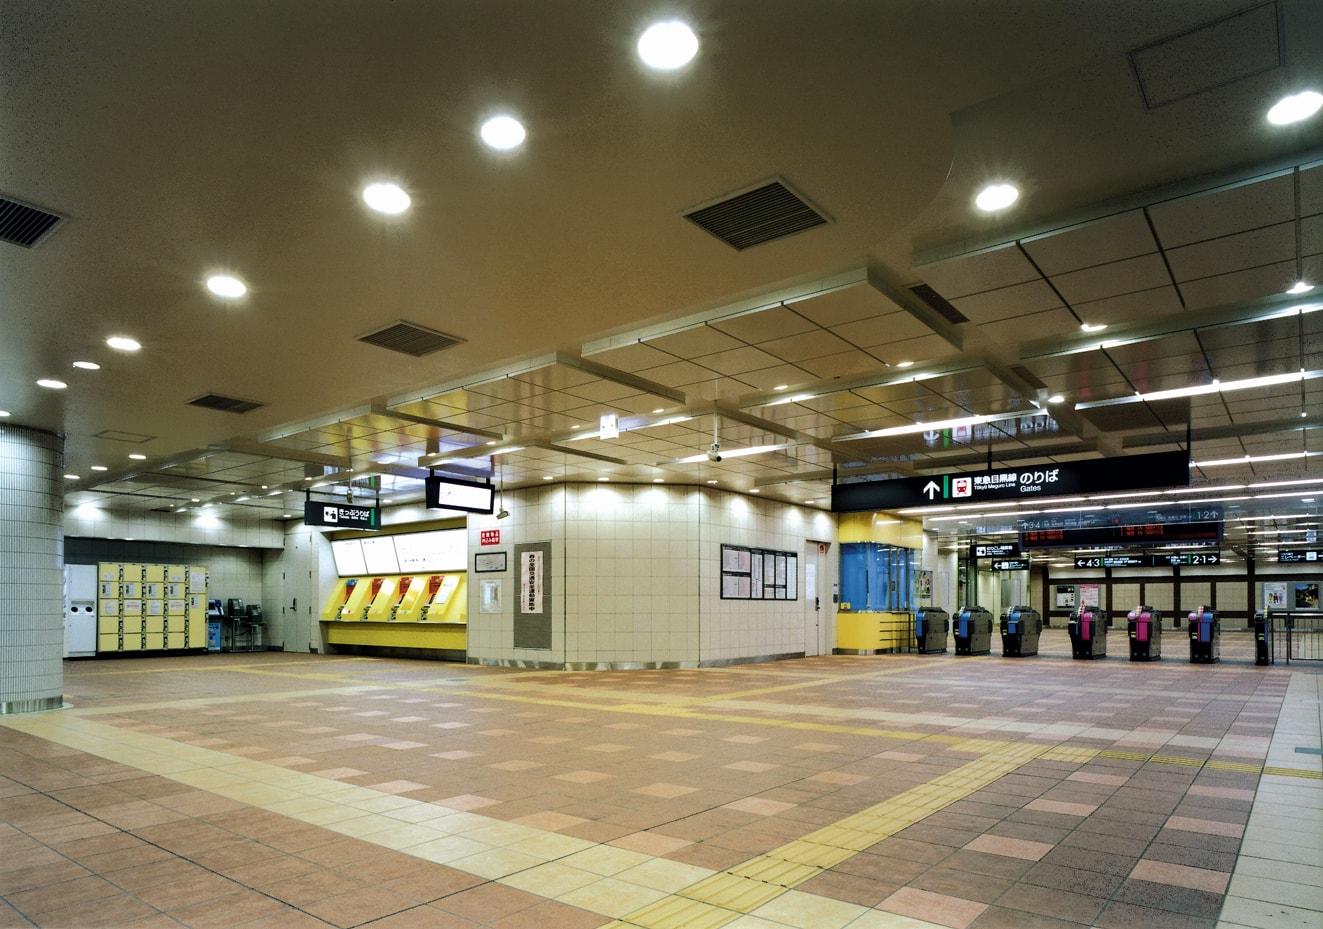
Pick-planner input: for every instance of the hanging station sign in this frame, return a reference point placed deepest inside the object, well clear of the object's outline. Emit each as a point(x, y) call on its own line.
point(1147, 561)
point(341, 515)
point(1134, 472)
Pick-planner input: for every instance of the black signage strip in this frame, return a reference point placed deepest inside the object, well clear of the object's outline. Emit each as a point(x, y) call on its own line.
point(1010, 564)
point(997, 550)
point(341, 515)
point(1147, 561)
point(1149, 534)
point(1139, 472)
point(1299, 555)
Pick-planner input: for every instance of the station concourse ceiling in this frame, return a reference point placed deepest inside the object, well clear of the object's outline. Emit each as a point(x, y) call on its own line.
point(775, 243)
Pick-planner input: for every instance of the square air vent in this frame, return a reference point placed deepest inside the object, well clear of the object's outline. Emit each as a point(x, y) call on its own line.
point(410, 339)
point(939, 303)
point(224, 404)
point(763, 213)
point(21, 224)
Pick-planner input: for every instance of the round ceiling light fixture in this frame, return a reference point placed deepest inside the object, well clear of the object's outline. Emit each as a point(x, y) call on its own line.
point(227, 286)
point(386, 197)
point(123, 343)
point(503, 133)
point(996, 197)
point(51, 383)
point(1294, 108)
point(668, 46)
point(87, 365)
point(1300, 287)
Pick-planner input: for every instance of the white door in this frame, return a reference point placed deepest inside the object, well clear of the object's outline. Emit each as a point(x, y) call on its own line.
point(298, 610)
point(816, 605)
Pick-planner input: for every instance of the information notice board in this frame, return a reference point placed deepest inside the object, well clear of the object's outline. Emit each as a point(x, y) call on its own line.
point(758, 574)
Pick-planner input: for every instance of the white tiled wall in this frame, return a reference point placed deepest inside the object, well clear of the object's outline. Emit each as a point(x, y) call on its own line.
point(636, 575)
point(190, 528)
point(31, 577)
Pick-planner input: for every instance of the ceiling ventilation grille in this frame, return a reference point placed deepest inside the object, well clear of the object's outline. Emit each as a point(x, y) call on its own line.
point(24, 225)
point(224, 404)
point(939, 303)
point(410, 339)
point(1024, 374)
point(764, 213)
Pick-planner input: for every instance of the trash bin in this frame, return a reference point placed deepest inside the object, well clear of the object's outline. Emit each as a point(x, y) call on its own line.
point(931, 625)
point(1205, 636)
point(1088, 634)
point(1020, 628)
point(972, 629)
point(1144, 625)
point(1262, 626)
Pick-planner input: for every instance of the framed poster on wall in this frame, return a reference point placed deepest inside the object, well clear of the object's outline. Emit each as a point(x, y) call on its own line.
point(758, 574)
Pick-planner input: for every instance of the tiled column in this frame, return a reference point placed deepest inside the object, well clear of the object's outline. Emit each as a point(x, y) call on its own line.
point(31, 576)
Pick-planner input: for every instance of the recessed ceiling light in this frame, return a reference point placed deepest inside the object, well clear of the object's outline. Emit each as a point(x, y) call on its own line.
point(227, 286)
point(123, 343)
point(71, 477)
point(503, 133)
point(51, 383)
point(658, 480)
point(904, 364)
point(711, 482)
point(98, 467)
point(1300, 287)
point(996, 197)
point(87, 365)
point(1093, 327)
point(547, 477)
point(601, 479)
point(1055, 398)
point(667, 46)
point(3, 413)
point(136, 457)
point(755, 490)
point(1296, 107)
point(386, 197)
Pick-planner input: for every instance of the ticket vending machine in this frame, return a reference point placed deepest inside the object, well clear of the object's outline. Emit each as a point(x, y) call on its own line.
point(931, 625)
point(381, 608)
point(1021, 627)
point(438, 608)
point(1088, 634)
point(409, 605)
point(1144, 625)
point(972, 629)
point(1205, 636)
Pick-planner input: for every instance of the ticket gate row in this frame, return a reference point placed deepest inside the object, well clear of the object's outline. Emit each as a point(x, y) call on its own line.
point(1088, 634)
point(1021, 628)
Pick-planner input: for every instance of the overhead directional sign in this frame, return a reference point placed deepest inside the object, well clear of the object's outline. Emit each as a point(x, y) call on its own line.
point(1149, 534)
point(1139, 472)
point(1010, 564)
point(997, 550)
point(1147, 561)
point(341, 515)
point(1297, 555)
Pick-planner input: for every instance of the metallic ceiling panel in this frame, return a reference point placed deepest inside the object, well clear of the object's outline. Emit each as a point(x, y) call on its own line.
point(779, 322)
point(883, 330)
point(1093, 244)
point(1128, 307)
point(994, 270)
point(1235, 286)
point(732, 362)
point(845, 364)
point(847, 305)
point(1226, 212)
point(1238, 252)
point(1010, 302)
point(1121, 277)
point(1058, 321)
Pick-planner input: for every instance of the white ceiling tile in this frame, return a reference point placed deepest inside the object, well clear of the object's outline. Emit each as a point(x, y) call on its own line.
point(1227, 212)
point(1238, 252)
point(975, 274)
point(1104, 242)
point(1250, 284)
point(1131, 307)
point(812, 344)
point(1125, 276)
point(844, 306)
point(755, 328)
point(882, 330)
point(1007, 302)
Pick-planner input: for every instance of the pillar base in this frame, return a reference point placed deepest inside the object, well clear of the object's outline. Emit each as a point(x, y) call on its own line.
point(37, 705)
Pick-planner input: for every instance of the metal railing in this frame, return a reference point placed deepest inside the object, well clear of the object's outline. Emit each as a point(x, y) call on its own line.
point(1297, 634)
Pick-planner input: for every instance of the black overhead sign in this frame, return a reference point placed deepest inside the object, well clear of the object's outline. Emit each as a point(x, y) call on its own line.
point(997, 550)
point(1298, 555)
point(1010, 564)
point(1134, 472)
point(1147, 561)
point(341, 515)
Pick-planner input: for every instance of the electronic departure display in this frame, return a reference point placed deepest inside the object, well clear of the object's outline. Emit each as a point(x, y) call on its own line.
point(1146, 534)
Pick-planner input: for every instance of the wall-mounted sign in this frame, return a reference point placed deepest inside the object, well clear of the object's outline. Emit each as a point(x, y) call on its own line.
point(1150, 534)
point(1010, 564)
point(1140, 472)
point(489, 562)
point(489, 537)
point(447, 493)
point(997, 550)
point(341, 515)
point(1298, 555)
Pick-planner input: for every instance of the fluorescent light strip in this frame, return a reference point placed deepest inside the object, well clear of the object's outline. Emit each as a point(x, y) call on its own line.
point(1200, 389)
point(1251, 459)
point(738, 452)
point(940, 425)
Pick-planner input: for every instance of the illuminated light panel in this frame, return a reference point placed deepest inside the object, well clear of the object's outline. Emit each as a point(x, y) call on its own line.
point(386, 197)
point(996, 197)
point(123, 343)
point(87, 366)
point(503, 133)
point(1296, 107)
point(51, 383)
point(667, 46)
point(227, 286)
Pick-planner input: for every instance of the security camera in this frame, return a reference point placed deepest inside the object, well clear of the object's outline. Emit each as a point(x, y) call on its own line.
point(504, 513)
point(714, 453)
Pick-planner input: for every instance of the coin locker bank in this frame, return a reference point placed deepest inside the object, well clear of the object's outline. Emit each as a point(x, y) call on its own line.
point(399, 594)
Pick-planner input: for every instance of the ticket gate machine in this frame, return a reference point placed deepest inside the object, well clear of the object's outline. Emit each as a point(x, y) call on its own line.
point(1205, 636)
point(1262, 626)
point(1144, 625)
point(972, 629)
point(1088, 634)
point(1020, 628)
point(931, 625)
